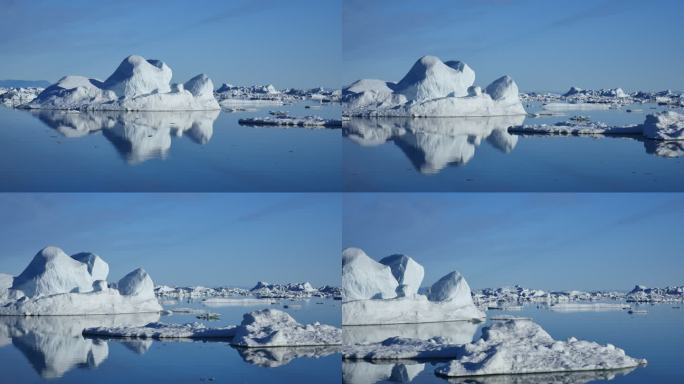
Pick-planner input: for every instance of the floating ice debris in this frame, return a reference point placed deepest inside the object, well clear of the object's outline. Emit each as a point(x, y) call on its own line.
point(194, 330)
point(604, 98)
point(57, 284)
point(662, 126)
point(235, 301)
point(575, 106)
point(260, 291)
point(637, 312)
point(274, 328)
point(136, 85)
point(233, 97)
point(520, 347)
point(208, 316)
point(588, 307)
point(433, 88)
point(14, 97)
point(642, 294)
point(279, 120)
point(372, 294)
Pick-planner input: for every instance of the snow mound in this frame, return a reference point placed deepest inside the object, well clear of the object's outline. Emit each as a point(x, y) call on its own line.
point(57, 284)
point(373, 296)
point(364, 278)
point(408, 273)
point(137, 84)
point(433, 88)
point(163, 331)
point(274, 328)
point(502, 345)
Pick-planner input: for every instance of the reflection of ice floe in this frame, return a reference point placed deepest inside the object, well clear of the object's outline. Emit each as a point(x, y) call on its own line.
point(366, 372)
point(502, 344)
point(454, 332)
point(54, 345)
point(432, 144)
point(138, 136)
point(279, 356)
point(545, 378)
point(372, 294)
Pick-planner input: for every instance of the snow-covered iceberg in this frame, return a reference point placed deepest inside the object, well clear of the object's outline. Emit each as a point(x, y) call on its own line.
point(372, 295)
point(137, 84)
point(502, 345)
point(57, 284)
point(433, 88)
point(274, 328)
point(432, 144)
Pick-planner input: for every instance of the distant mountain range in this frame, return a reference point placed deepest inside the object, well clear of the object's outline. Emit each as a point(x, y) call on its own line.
point(24, 83)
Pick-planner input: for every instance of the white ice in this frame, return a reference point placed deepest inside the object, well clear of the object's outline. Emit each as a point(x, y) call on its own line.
point(588, 307)
point(194, 330)
point(275, 328)
point(136, 85)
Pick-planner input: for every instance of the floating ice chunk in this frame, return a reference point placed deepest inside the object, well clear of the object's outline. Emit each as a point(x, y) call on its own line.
point(97, 267)
point(398, 348)
point(407, 272)
point(588, 307)
point(274, 328)
point(235, 301)
point(291, 121)
point(575, 106)
point(517, 347)
point(364, 278)
point(454, 332)
point(53, 272)
point(136, 85)
point(164, 331)
point(667, 125)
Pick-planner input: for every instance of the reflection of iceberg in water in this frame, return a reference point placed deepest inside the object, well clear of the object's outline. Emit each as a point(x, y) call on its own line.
point(434, 143)
point(664, 148)
point(366, 372)
point(54, 344)
point(138, 136)
point(544, 378)
point(453, 332)
point(279, 356)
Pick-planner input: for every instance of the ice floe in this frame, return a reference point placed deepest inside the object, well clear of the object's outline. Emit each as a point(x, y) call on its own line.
point(137, 84)
point(522, 347)
point(157, 330)
point(372, 295)
point(433, 88)
point(274, 328)
point(290, 121)
point(588, 307)
point(57, 284)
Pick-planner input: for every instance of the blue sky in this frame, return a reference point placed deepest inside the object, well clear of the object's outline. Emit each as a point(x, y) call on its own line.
point(543, 45)
point(294, 43)
point(545, 241)
point(208, 239)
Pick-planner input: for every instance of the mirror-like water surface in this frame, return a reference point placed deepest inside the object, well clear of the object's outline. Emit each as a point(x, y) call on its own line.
point(52, 349)
point(166, 151)
point(656, 336)
point(478, 154)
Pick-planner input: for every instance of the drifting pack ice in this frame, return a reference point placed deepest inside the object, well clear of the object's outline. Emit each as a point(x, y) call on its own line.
point(137, 84)
point(433, 88)
point(57, 284)
point(386, 292)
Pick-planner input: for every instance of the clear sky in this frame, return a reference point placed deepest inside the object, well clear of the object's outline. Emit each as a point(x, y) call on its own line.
point(543, 45)
point(185, 239)
point(544, 241)
point(294, 43)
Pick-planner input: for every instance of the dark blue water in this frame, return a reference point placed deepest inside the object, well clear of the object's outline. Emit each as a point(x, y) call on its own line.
point(51, 349)
point(657, 336)
point(452, 154)
point(158, 151)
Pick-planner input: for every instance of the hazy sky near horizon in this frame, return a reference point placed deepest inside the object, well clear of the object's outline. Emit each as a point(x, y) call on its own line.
point(543, 45)
point(545, 241)
point(293, 43)
point(227, 239)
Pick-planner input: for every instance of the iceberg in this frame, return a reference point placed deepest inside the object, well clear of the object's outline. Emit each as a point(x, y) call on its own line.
point(137, 84)
point(372, 295)
point(57, 284)
point(433, 88)
point(274, 328)
point(502, 345)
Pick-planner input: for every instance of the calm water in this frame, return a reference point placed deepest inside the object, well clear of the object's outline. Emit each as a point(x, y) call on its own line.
point(657, 336)
point(162, 151)
point(52, 349)
point(478, 154)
